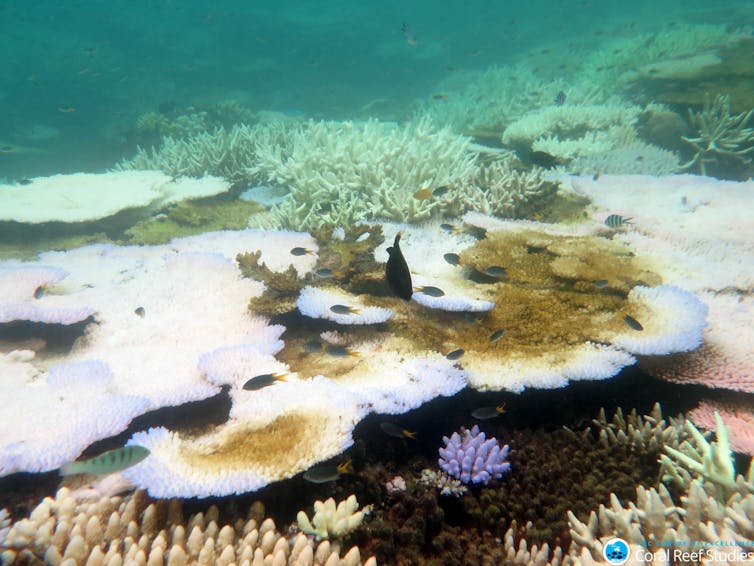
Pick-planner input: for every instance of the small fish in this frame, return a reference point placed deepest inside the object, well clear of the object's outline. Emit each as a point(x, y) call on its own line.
point(616, 221)
point(632, 323)
point(261, 381)
point(324, 273)
point(560, 98)
point(601, 283)
point(140, 312)
point(456, 354)
point(338, 351)
point(408, 35)
point(314, 346)
point(397, 273)
point(344, 309)
point(423, 194)
point(107, 462)
point(596, 176)
point(497, 335)
point(324, 474)
point(66, 109)
point(484, 413)
point(452, 259)
point(395, 431)
point(440, 96)
point(496, 271)
point(8, 149)
point(301, 251)
point(24, 182)
point(430, 291)
point(39, 292)
point(440, 191)
point(449, 228)
point(543, 159)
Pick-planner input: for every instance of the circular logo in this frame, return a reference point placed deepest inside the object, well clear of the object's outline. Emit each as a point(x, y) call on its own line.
point(616, 551)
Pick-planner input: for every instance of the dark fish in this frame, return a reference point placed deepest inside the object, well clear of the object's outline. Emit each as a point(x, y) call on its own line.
point(408, 34)
point(338, 351)
point(39, 292)
point(107, 462)
point(344, 309)
point(449, 228)
point(632, 323)
point(431, 291)
point(601, 283)
point(24, 182)
point(396, 271)
point(560, 98)
point(314, 346)
point(596, 176)
point(452, 259)
point(261, 381)
point(456, 354)
point(484, 413)
point(331, 472)
point(543, 159)
point(439, 191)
point(496, 271)
point(324, 273)
point(140, 312)
point(440, 96)
point(616, 221)
point(301, 251)
point(395, 431)
point(7, 149)
point(497, 335)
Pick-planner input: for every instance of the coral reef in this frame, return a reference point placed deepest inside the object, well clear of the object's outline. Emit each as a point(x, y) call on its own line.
point(340, 173)
point(81, 197)
point(737, 418)
point(135, 530)
point(473, 458)
point(332, 521)
point(720, 134)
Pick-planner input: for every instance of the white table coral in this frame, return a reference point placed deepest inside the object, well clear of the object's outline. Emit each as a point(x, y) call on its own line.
point(81, 197)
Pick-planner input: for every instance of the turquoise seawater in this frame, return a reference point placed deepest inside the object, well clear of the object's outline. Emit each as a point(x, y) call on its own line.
point(75, 76)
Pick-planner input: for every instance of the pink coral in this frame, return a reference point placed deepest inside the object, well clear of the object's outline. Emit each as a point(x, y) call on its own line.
point(737, 417)
point(726, 358)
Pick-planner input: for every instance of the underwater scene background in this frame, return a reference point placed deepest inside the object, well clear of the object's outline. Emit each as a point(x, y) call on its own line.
point(376, 283)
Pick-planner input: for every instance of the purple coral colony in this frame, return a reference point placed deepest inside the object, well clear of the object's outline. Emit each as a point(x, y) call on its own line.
point(471, 457)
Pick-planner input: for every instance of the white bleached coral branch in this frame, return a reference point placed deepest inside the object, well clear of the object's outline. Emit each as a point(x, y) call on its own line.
point(331, 521)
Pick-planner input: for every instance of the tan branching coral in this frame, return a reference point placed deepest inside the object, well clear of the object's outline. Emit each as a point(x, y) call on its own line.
point(720, 133)
point(133, 530)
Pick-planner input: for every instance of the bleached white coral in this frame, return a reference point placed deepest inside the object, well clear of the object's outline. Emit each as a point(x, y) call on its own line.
point(339, 173)
point(331, 521)
point(81, 197)
point(574, 130)
point(318, 302)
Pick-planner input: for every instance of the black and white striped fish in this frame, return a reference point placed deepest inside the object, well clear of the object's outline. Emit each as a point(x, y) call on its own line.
point(616, 221)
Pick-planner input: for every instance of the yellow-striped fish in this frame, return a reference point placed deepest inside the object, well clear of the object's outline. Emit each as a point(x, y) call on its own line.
point(107, 462)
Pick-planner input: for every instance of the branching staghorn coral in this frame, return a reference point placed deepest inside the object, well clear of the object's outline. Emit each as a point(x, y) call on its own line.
point(228, 153)
point(503, 189)
point(720, 133)
point(341, 172)
point(698, 458)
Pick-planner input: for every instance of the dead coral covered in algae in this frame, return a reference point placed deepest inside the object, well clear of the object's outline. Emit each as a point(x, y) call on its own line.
point(554, 294)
